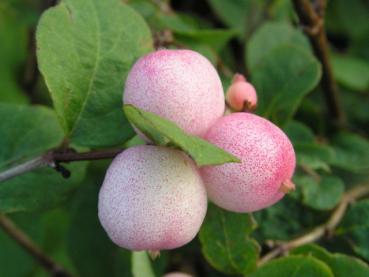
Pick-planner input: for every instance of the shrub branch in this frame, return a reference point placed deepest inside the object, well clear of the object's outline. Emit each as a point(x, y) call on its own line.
point(319, 232)
point(24, 241)
point(312, 18)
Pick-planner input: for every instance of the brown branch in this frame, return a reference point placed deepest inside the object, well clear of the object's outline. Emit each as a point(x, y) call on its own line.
point(53, 159)
point(313, 23)
point(325, 229)
point(24, 241)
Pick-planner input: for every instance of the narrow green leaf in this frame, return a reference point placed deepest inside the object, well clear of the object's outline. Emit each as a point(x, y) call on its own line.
point(165, 132)
point(340, 264)
point(294, 266)
point(226, 243)
point(85, 49)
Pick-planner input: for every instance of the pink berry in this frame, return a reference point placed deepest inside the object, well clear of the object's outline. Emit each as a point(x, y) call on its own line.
point(177, 274)
point(267, 163)
point(152, 198)
point(241, 95)
point(180, 85)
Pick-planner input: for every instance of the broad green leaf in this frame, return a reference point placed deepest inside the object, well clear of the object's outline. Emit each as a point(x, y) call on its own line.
point(294, 266)
point(269, 37)
point(340, 264)
point(351, 152)
point(282, 78)
point(141, 265)
point(26, 131)
point(355, 228)
point(241, 15)
point(89, 247)
point(40, 189)
point(298, 132)
point(165, 132)
point(351, 72)
point(85, 50)
point(324, 194)
point(226, 243)
point(314, 155)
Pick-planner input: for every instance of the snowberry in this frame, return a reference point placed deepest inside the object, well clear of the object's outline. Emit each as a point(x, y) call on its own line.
point(152, 198)
point(180, 85)
point(241, 95)
point(267, 163)
point(177, 274)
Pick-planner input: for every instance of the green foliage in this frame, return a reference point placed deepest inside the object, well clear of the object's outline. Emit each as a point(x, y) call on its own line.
point(85, 70)
point(165, 132)
point(294, 266)
point(226, 242)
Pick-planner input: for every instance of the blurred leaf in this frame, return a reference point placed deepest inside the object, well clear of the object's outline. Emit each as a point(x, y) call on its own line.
point(14, 261)
point(355, 228)
point(89, 247)
point(298, 132)
point(314, 155)
point(165, 132)
point(324, 194)
point(351, 152)
point(85, 49)
point(351, 72)
point(39, 189)
point(340, 264)
point(216, 38)
point(226, 243)
point(141, 265)
point(272, 36)
point(241, 15)
point(23, 132)
point(294, 266)
point(282, 79)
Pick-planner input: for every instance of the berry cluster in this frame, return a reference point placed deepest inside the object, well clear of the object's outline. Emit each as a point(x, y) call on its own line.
point(154, 197)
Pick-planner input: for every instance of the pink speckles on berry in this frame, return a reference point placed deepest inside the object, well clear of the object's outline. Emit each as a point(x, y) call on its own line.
point(241, 95)
point(152, 198)
point(268, 161)
point(180, 85)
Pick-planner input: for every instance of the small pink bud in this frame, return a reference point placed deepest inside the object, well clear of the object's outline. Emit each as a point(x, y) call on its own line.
point(241, 95)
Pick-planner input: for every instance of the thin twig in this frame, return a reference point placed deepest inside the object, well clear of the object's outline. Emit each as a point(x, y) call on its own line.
point(23, 240)
point(54, 158)
point(313, 23)
point(322, 230)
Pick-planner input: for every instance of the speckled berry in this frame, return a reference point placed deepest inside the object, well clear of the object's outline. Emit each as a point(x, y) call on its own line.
point(241, 95)
point(180, 85)
point(267, 163)
point(152, 198)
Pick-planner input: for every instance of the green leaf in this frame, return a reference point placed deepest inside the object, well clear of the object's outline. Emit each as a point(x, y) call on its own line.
point(351, 152)
point(298, 132)
point(283, 77)
point(165, 132)
point(271, 36)
point(351, 72)
point(241, 15)
point(85, 49)
point(340, 264)
point(40, 189)
point(355, 228)
point(294, 266)
point(226, 243)
point(23, 132)
point(314, 155)
point(141, 265)
point(89, 247)
point(324, 194)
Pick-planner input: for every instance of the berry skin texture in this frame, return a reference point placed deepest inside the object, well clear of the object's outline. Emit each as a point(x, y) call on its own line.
point(152, 198)
point(267, 163)
point(177, 274)
point(241, 95)
point(179, 85)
